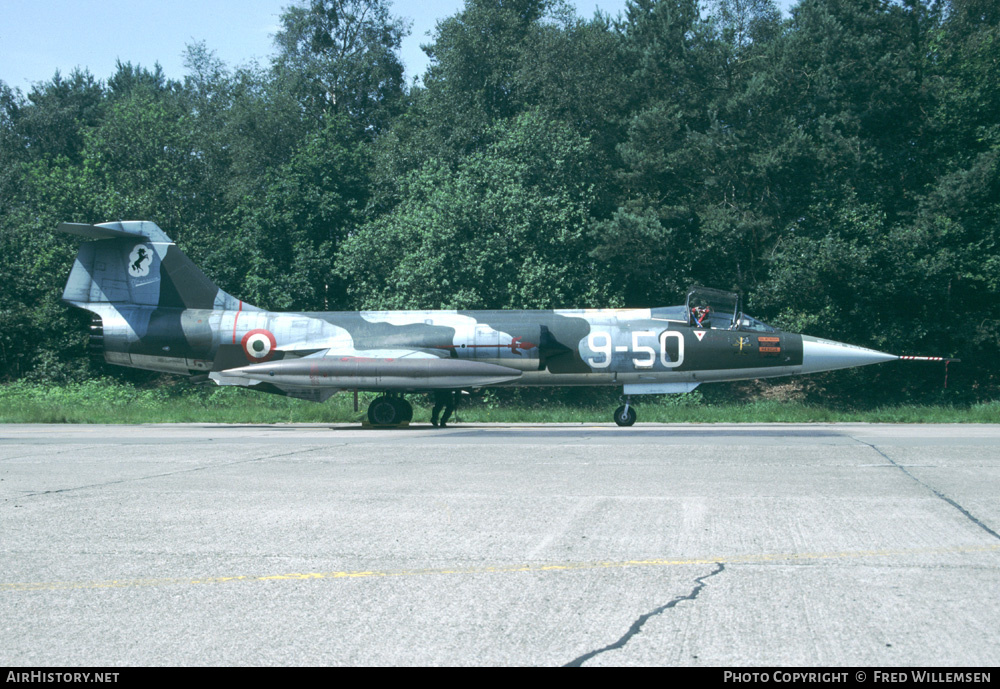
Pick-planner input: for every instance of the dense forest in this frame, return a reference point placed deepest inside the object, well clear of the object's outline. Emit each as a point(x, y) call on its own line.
point(839, 167)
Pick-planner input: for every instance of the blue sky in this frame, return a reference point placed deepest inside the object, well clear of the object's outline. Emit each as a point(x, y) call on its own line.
point(37, 37)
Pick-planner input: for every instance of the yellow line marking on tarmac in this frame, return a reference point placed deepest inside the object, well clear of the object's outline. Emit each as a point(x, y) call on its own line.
point(494, 569)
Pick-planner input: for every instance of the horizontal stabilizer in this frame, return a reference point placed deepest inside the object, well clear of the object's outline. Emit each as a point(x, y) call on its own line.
point(130, 229)
point(96, 232)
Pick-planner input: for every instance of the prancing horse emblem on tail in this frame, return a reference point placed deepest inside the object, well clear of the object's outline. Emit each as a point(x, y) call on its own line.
point(139, 261)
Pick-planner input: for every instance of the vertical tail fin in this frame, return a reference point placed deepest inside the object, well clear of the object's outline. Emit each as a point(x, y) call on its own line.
point(136, 263)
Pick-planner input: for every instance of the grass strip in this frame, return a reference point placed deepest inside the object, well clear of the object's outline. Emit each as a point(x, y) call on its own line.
point(102, 402)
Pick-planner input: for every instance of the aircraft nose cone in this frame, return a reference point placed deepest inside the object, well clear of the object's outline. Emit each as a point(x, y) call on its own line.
point(827, 355)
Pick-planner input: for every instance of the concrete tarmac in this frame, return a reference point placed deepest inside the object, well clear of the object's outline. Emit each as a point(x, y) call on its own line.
point(731, 545)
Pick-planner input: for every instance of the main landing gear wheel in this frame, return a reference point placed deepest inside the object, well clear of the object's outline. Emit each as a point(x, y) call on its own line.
point(625, 415)
point(389, 411)
point(383, 411)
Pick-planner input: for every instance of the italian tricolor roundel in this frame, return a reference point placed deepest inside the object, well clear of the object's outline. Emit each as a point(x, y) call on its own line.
point(258, 345)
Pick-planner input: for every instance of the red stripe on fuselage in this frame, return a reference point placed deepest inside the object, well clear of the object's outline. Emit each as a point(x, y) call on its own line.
point(236, 319)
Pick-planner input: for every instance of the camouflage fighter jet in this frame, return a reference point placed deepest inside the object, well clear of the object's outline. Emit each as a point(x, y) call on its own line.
point(154, 309)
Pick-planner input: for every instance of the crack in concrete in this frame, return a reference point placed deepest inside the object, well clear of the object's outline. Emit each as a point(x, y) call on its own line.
point(934, 490)
point(206, 467)
point(637, 625)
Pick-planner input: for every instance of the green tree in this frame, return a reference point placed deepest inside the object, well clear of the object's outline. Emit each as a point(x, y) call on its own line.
point(475, 58)
point(507, 229)
point(343, 57)
point(128, 79)
point(41, 336)
point(577, 71)
point(673, 58)
point(292, 230)
point(60, 111)
point(41, 183)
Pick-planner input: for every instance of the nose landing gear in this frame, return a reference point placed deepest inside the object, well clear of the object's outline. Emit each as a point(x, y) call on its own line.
point(625, 415)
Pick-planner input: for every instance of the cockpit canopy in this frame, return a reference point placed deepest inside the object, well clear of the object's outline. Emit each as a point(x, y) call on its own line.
point(713, 308)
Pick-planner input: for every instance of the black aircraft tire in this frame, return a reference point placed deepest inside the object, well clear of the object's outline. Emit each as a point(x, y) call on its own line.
point(623, 419)
point(382, 412)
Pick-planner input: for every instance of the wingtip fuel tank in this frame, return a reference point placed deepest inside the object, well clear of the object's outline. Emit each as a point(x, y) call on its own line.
point(377, 373)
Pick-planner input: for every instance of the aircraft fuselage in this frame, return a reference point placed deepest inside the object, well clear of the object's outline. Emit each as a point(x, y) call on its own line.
point(156, 310)
point(565, 347)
